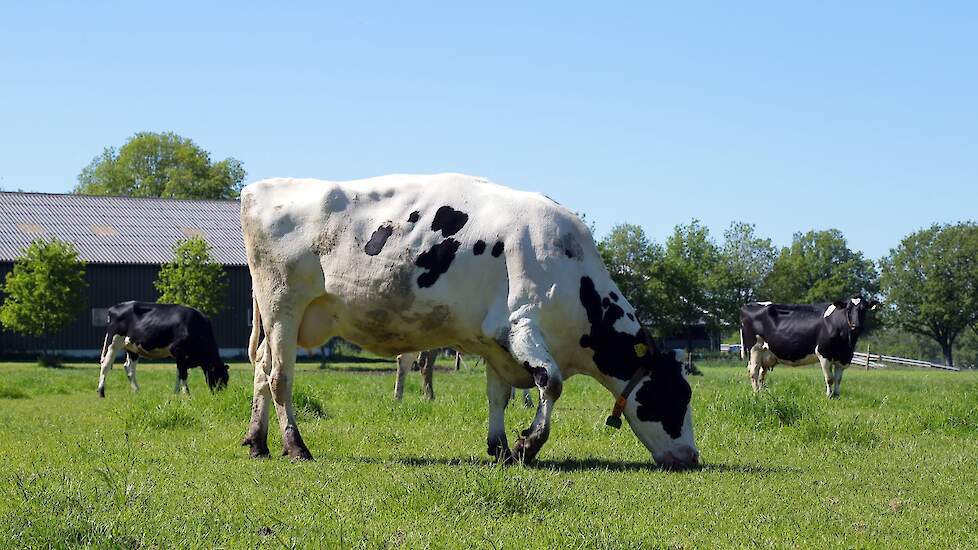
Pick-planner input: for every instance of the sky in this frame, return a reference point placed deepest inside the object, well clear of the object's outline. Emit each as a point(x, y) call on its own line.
point(857, 116)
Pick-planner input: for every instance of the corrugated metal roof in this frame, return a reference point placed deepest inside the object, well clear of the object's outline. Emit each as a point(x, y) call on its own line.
point(119, 230)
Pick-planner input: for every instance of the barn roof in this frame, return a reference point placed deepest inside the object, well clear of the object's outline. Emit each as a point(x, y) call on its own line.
point(119, 230)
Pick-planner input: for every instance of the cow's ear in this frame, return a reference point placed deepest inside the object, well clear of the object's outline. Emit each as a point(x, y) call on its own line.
point(841, 305)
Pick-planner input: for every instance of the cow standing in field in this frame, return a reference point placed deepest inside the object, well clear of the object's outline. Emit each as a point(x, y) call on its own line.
point(159, 331)
point(425, 362)
point(797, 334)
point(405, 262)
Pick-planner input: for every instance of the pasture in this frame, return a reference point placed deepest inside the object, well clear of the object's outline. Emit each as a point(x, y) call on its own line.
point(893, 463)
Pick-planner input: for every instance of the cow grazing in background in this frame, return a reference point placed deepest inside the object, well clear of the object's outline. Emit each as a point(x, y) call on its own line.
point(159, 331)
point(793, 334)
point(405, 262)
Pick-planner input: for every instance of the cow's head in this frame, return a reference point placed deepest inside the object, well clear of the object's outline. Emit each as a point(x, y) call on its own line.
point(217, 376)
point(855, 311)
point(660, 414)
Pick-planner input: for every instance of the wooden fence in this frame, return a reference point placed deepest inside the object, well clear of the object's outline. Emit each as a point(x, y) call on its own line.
point(878, 361)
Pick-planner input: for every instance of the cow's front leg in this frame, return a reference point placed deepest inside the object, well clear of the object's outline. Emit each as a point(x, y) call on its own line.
point(281, 346)
point(498, 391)
point(257, 436)
point(837, 380)
point(827, 374)
point(529, 348)
point(131, 361)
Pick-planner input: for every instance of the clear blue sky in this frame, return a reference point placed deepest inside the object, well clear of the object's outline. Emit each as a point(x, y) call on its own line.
point(861, 116)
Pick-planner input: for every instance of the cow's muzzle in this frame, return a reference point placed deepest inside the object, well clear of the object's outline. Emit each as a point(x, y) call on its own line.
point(680, 458)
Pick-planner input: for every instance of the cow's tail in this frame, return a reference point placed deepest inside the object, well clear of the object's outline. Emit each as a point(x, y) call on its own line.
point(742, 352)
point(255, 330)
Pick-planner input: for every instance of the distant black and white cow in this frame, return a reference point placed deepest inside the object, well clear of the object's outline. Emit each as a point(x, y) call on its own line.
point(794, 335)
point(158, 331)
point(404, 262)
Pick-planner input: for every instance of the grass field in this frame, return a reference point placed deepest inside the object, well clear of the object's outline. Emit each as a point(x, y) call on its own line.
point(894, 464)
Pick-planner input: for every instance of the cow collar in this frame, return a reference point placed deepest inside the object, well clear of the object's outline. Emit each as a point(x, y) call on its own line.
point(614, 420)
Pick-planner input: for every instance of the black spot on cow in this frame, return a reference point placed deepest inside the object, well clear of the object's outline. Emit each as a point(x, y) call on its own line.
point(663, 398)
point(497, 249)
point(630, 316)
point(378, 239)
point(449, 221)
point(571, 247)
point(539, 374)
point(613, 296)
point(605, 303)
point(479, 248)
point(665, 395)
point(414, 217)
point(614, 352)
point(437, 261)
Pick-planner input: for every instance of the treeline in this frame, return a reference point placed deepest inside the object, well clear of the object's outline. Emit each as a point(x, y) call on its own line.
point(928, 283)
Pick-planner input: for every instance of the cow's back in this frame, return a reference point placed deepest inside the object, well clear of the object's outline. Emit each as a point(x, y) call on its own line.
point(789, 331)
point(435, 258)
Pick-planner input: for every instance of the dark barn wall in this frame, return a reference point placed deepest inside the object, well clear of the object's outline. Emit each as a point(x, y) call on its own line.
point(111, 284)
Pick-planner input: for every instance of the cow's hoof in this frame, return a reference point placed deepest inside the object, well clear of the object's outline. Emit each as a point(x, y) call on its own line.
point(524, 452)
point(101, 393)
point(503, 457)
point(300, 453)
point(259, 449)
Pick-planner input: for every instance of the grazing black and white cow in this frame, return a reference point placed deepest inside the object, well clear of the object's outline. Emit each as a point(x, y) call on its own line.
point(158, 331)
point(402, 262)
point(801, 334)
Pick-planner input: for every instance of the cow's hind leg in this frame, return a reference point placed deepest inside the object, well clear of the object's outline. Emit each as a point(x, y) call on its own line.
point(181, 384)
point(281, 346)
point(755, 366)
point(115, 346)
point(529, 349)
point(257, 436)
point(498, 391)
point(131, 361)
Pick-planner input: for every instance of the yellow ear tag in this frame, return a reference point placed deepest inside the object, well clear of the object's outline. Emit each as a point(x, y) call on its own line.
point(641, 350)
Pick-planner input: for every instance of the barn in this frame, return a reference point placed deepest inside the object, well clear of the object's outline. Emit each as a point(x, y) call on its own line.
point(124, 241)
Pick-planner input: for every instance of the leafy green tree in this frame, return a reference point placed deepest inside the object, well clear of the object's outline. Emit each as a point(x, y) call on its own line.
point(45, 290)
point(161, 165)
point(691, 260)
point(636, 264)
point(931, 284)
point(192, 278)
point(819, 266)
point(745, 262)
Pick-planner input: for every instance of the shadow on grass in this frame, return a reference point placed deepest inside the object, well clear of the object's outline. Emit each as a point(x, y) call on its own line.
point(577, 465)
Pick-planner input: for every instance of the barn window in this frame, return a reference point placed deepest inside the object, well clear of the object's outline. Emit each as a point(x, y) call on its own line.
point(100, 316)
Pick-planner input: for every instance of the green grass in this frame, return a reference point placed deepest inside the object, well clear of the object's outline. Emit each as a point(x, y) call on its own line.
point(893, 464)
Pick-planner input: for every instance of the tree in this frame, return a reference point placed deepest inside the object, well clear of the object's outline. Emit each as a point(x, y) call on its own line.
point(636, 265)
point(745, 262)
point(45, 290)
point(161, 165)
point(931, 284)
point(192, 278)
point(820, 267)
point(691, 259)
